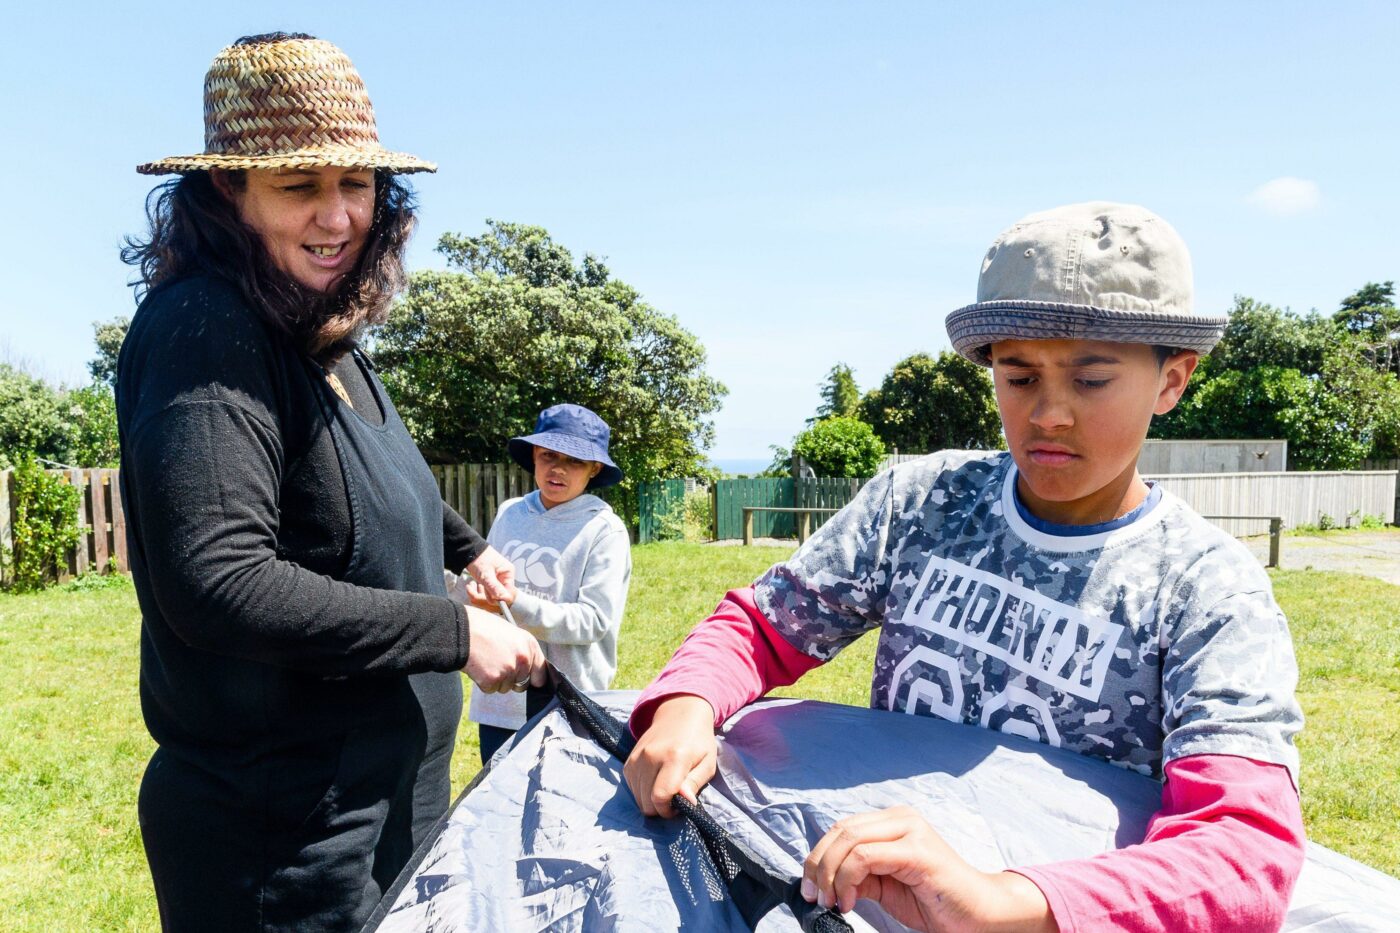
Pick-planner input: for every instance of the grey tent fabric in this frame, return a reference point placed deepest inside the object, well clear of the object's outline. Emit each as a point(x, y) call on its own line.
point(548, 838)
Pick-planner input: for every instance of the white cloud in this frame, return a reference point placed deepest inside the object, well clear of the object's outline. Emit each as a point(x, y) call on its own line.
point(1287, 195)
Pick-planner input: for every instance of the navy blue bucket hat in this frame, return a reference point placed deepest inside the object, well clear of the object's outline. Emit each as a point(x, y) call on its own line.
point(572, 430)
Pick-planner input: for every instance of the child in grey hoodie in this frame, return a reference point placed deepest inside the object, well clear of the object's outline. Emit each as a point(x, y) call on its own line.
point(572, 560)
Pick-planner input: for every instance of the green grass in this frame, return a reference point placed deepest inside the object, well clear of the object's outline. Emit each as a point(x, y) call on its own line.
point(72, 745)
point(1346, 630)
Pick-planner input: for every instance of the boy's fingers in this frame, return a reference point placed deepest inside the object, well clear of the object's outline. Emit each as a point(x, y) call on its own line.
point(832, 850)
point(640, 774)
point(865, 862)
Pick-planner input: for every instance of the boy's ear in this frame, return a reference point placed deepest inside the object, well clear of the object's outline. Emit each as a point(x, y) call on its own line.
point(1175, 373)
point(597, 468)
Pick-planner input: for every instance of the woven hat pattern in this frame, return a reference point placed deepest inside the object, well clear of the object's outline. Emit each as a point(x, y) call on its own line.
point(295, 103)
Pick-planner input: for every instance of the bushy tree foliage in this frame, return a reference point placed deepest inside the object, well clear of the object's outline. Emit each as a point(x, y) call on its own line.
point(927, 404)
point(840, 395)
point(72, 426)
point(471, 356)
point(1312, 380)
point(33, 418)
point(1371, 317)
point(840, 447)
point(109, 336)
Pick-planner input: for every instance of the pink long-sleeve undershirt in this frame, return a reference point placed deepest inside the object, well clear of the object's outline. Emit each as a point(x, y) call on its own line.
point(1221, 854)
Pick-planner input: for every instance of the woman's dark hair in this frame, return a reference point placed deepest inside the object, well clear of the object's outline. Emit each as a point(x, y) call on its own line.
point(195, 229)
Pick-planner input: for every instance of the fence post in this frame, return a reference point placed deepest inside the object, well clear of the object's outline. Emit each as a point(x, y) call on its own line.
point(97, 493)
point(7, 543)
point(118, 520)
point(714, 511)
point(78, 560)
point(748, 526)
point(1275, 536)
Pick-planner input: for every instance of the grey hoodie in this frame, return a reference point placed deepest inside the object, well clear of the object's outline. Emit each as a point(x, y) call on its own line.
point(573, 564)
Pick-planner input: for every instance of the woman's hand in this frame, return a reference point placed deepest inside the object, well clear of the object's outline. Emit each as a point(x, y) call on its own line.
point(501, 657)
point(676, 755)
point(895, 858)
point(476, 596)
point(494, 575)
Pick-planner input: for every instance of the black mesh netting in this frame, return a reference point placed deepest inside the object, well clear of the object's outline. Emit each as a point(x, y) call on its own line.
point(755, 888)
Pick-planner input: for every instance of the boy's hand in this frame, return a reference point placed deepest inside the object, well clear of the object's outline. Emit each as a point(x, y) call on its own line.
point(895, 858)
point(501, 657)
point(476, 596)
point(676, 755)
point(494, 574)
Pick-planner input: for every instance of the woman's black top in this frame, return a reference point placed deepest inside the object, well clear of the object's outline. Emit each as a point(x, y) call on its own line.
point(239, 527)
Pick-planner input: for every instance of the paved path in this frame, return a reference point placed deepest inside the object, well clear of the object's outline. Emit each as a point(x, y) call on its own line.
point(1373, 553)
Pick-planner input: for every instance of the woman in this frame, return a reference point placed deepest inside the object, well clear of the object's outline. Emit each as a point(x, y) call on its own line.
point(299, 653)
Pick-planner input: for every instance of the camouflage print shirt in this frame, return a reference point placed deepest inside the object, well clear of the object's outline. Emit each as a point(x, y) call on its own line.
point(1143, 644)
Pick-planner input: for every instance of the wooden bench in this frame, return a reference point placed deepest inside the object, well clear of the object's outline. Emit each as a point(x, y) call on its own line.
point(804, 518)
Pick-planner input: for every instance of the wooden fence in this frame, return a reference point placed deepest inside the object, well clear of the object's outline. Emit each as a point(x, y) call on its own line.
point(477, 490)
point(1387, 465)
point(1301, 498)
point(731, 495)
point(656, 505)
point(101, 523)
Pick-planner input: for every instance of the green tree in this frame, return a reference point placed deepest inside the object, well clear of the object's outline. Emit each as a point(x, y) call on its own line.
point(109, 336)
point(1370, 314)
point(471, 356)
point(1330, 420)
point(840, 447)
point(927, 404)
point(781, 464)
point(33, 418)
point(93, 418)
point(840, 395)
point(1259, 334)
point(1321, 383)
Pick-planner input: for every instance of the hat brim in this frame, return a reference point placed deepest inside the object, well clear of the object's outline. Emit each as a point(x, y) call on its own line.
point(400, 163)
point(521, 450)
point(974, 328)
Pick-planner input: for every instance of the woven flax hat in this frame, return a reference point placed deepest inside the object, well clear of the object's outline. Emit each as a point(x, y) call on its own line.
point(287, 102)
point(1092, 271)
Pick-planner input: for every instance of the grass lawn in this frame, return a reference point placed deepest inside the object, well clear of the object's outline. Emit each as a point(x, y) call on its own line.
point(72, 745)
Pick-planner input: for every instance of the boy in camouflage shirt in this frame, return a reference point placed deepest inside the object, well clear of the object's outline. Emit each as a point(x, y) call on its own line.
point(1047, 592)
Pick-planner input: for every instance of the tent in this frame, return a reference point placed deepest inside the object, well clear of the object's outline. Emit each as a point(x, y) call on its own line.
point(548, 837)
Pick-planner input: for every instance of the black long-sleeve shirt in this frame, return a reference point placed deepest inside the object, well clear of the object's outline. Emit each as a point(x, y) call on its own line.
point(239, 522)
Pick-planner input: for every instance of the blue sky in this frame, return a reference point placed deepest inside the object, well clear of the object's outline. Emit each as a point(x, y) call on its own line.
point(800, 184)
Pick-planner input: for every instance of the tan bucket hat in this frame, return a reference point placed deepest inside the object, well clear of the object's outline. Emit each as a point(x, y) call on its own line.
point(280, 101)
point(1091, 271)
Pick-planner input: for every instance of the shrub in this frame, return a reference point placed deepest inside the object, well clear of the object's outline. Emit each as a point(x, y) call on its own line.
point(670, 521)
point(699, 515)
point(46, 524)
point(840, 447)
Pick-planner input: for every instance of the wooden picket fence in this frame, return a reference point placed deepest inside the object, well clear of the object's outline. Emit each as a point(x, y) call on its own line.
point(101, 523)
point(731, 495)
point(477, 490)
point(1386, 465)
point(656, 503)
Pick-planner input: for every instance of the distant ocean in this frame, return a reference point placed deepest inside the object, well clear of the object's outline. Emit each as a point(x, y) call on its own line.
point(749, 465)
